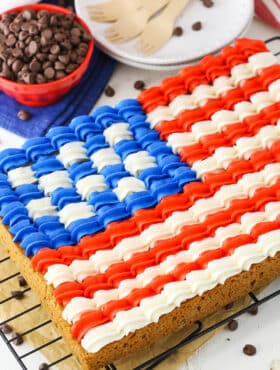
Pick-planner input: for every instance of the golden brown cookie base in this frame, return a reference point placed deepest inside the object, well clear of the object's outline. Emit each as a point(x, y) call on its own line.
point(191, 310)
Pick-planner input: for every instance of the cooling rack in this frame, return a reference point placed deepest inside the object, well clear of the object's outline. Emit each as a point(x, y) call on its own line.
point(198, 331)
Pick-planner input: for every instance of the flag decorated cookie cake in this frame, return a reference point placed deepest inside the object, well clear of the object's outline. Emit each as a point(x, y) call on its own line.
point(141, 218)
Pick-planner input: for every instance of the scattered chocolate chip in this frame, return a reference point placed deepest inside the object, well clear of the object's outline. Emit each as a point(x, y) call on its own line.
point(139, 85)
point(253, 311)
point(24, 115)
point(232, 325)
point(21, 281)
point(208, 3)
point(17, 338)
point(229, 306)
point(43, 366)
point(6, 328)
point(197, 26)
point(178, 31)
point(109, 91)
point(249, 350)
point(17, 294)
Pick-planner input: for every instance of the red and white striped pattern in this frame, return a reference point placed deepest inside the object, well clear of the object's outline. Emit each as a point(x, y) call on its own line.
point(229, 132)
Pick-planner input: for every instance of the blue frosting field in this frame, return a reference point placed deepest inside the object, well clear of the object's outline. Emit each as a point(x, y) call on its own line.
point(167, 178)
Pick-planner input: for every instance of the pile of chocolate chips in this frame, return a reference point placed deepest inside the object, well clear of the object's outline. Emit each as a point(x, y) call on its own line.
point(40, 47)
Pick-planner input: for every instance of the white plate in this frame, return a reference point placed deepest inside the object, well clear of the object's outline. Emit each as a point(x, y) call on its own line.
point(221, 24)
point(159, 67)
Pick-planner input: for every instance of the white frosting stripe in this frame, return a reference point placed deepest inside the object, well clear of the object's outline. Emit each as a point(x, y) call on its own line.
point(220, 85)
point(90, 184)
point(21, 176)
point(102, 259)
point(127, 186)
point(117, 132)
point(41, 207)
point(173, 294)
point(54, 180)
point(73, 152)
point(75, 211)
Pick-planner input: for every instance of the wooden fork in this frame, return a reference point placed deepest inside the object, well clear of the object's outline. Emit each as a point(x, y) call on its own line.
point(132, 24)
point(112, 10)
point(159, 30)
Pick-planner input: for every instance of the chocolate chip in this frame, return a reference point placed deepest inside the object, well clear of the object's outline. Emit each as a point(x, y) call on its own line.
point(208, 3)
point(33, 47)
point(43, 366)
point(14, 27)
point(21, 281)
point(197, 26)
point(17, 294)
point(6, 328)
point(58, 66)
point(253, 311)
point(28, 14)
point(41, 57)
point(249, 350)
point(29, 78)
point(11, 40)
point(64, 58)
point(33, 29)
point(24, 115)
point(229, 306)
point(139, 85)
point(17, 65)
point(17, 338)
point(40, 79)
point(59, 74)
point(47, 33)
point(49, 73)
point(232, 325)
point(55, 49)
point(178, 31)
point(71, 67)
point(34, 66)
point(17, 53)
point(52, 58)
point(109, 91)
point(76, 32)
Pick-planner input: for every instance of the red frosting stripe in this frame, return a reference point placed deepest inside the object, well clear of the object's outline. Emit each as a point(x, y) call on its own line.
point(209, 68)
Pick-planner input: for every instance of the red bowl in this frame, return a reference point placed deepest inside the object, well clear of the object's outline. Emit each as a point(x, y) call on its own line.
point(47, 93)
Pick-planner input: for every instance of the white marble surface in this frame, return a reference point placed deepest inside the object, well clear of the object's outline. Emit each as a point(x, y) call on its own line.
point(262, 330)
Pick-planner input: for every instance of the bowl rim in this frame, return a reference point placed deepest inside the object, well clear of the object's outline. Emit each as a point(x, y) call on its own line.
point(4, 82)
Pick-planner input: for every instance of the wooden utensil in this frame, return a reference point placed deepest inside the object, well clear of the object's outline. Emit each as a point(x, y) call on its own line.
point(159, 30)
point(112, 10)
point(132, 24)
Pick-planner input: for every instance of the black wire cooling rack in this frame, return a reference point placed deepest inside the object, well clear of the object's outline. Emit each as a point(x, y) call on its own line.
point(198, 332)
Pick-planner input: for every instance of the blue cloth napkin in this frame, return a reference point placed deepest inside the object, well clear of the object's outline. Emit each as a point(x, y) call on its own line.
point(78, 101)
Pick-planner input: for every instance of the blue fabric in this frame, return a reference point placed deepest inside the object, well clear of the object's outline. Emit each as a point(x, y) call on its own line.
point(78, 101)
